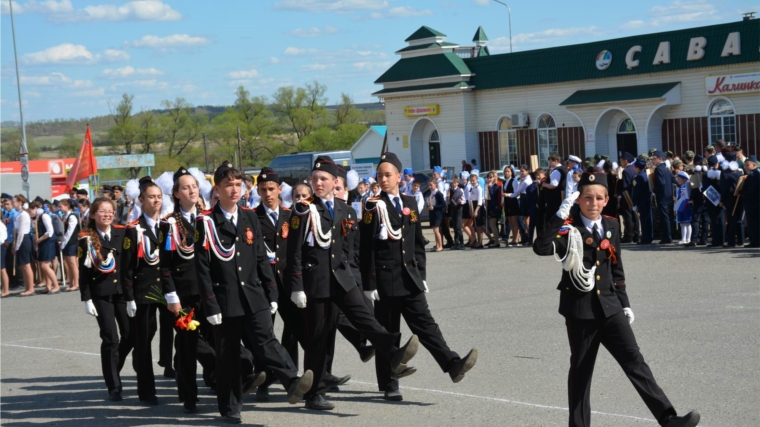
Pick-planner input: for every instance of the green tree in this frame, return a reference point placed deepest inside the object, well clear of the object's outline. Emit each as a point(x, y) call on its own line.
point(346, 112)
point(303, 108)
point(70, 146)
point(326, 139)
point(181, 124)
point(10, 141)
point(122, 135)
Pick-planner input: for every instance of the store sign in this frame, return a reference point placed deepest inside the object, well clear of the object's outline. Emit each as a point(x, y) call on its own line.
point(425, 110)
point(727, 85)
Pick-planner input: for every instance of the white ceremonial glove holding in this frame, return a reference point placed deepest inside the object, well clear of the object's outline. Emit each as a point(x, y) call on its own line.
point(372, 295)
point(635, 209)
point(564, 208)
point(131, 308)
point(215, 319)
point(424, 283)
point(89, 308)
point(629, 314)
point(299, 299)
point(273, 307)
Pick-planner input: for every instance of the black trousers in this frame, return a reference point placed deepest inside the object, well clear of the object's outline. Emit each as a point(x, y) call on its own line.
point(717, 223)
point(630, 221)
point(166, 321)
point(445, 229)
point(116, 343)
point(293, 328)
point(456, 223)
point(414, 308)
point(752, 211)
point(191, 346)
point(647, 224)
point(257, 332)
point(663, 214)
point(699, 225)
point(349, 332)
point(616, 335)
point(145, 328)
point(320, 325)
point(735, 222)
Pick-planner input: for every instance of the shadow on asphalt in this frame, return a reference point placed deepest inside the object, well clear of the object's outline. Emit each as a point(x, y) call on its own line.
point(700, 250)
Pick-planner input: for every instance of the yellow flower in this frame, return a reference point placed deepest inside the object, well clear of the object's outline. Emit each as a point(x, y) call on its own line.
point(192, 325)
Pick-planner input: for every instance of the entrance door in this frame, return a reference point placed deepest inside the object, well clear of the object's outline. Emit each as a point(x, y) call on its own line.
point(626, 138)
point(435, 149)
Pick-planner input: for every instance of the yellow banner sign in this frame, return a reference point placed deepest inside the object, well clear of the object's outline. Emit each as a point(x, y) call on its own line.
point(424, 110)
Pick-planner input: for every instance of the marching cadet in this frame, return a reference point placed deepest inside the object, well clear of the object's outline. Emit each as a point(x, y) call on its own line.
point(625, 200)
point(180, 285)
point(715, 212)
point(750, 192)
point(142, 275)
point(319, 273)
point(233, 268)
point(100, 285)
point(393, 273)
point(594, 301)
point(663, 193)
point(641, 196)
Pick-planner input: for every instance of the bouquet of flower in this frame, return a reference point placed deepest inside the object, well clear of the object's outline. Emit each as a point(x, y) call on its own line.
point(185, 321)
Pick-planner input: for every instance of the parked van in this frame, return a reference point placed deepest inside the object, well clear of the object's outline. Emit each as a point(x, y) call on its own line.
point(295, 167)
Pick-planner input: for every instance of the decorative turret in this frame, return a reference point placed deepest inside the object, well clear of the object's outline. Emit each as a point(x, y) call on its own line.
point(481, 40)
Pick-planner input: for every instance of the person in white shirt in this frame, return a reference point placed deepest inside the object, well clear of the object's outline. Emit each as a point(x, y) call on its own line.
point(418, 196)
point(68, 244)
point(521, 192)
point(45, 250)
point(22, 247)
point(3, 272)
point(478, 211)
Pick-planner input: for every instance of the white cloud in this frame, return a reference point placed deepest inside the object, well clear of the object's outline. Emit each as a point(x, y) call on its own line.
point(274, 60)
point(32, 94)
point(51, 79)
point(114, 55)
point(322, 6)
point(551, 36)
point(371, 66)
point(316, 67)
point(89, 93)
point(293, 51)
point(45, 7)
point(63, 11)
point(481, 2)
point(241, 75)
point(683, 11)
point(64, 53)
point(175, 40)
point(407, 11)
point(128, 71)
point(634, 25)
point(81, 83)
point(144, 84)
point(266, 80)
point(313, 31)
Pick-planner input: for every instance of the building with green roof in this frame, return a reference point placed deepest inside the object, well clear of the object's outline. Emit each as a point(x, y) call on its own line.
point(677, 90)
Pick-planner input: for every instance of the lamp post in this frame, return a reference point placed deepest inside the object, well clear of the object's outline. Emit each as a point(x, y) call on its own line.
point(510, 22)
point(23, 151)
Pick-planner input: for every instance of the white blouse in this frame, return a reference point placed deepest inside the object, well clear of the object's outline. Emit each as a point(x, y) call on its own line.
point(22, 226)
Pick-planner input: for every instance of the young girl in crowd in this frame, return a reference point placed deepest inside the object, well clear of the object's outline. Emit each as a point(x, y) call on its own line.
point(301, 192)
point(521, 192)
point(45, 249)
point(22, 243)
point(467, 217)
point(511, 203)
point(495, 203)
point(478, 211)
point(437, 205)
point(683, 207)
point(68, 244)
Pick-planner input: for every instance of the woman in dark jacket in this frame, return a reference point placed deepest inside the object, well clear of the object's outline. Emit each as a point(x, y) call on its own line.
point(437, 205)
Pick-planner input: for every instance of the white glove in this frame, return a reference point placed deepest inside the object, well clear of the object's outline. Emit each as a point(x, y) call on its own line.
point(372, 295)
point(424, 283)
point(273, 307)
point(635, 209)
point(215, 319)
point(629, 314)
point(131, 308)
point(172, 298)
point(564, 208)
point(89, 308)
point(299, 299)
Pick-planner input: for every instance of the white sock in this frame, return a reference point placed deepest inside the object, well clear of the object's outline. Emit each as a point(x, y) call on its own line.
point(687, 228)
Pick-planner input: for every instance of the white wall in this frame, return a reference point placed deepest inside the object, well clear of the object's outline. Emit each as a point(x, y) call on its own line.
point(368, 146)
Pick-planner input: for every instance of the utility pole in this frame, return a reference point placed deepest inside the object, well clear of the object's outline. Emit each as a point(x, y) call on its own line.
point(22, 151)
point(240, 151)
point(510, 22)
point(205, 151)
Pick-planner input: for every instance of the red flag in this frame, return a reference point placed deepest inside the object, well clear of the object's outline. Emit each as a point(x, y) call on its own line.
point(84, 165)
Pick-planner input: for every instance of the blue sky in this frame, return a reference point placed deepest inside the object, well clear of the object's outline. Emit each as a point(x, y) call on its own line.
point(76, 57)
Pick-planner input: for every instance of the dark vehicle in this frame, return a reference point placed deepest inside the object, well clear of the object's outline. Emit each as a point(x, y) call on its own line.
point(296, 167)
point(423, 177)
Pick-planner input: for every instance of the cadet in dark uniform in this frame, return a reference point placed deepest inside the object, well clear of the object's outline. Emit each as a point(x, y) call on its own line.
point(663, 195)
point(180, 285)
point(594, 301)
point(751, 194)
point(641, 196)
point(100, 285)
point(732, 204)
point(716, 213)
point(233, 269)
point(625, 200)
point(318, 269)
point(393, 272)
point(554, 187)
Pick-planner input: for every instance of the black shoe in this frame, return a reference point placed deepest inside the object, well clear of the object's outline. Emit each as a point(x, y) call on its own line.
point(463, 365)
point(690, 244)
point(299, 387)
point(252, 381)
point(448, 245)
point(367, 353)
point(701, 243)
point(404, 371)
point(319, 403)
point(115, 396)
point(405, 353)
point(151, 401)
point(689, 420)
point(393, 396)
point(333, 381)
point(427, 242)
point(456, 248)
point(627, 240)
point(233, 418)
point(262, 394)
point(169, 373)
point(666, 242)
point(189, 408)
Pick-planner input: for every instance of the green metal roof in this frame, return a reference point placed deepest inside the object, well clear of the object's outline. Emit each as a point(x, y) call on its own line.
point(460, 85)
point(615, 94)
point(424, 33)
point(483, 51)
point(426, 46)
point(480, 35)
point(578, 62)
point(425, 67)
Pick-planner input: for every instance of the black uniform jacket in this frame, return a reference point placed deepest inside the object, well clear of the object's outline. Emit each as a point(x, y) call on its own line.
point(178, 274)
point(276, 239)
point(354, 246)
point(393, 267)
point(310, 268)
point(609, 293)
point(140, 279)
point(751, 190)
point(663, 184)
point(93, 283)
point(224, 284)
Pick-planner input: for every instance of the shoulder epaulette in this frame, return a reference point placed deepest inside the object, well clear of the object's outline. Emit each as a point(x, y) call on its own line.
point(118, 226)
point(207, 212)
point(610, 217)
point(84, 234)
point(284, 208)
point(169, 215)
point(568, 221)
point(246, 208)
point(133, 223)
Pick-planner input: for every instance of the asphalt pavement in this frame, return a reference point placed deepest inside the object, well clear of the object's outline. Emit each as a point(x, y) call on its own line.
point(697, 322)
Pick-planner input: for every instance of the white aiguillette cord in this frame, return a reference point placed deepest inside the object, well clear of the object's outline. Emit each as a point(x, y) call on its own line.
point(323, 239)
point(386, 229)
point(582, 278)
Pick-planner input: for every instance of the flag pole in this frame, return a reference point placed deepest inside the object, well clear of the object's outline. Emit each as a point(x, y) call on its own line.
point(23, 150)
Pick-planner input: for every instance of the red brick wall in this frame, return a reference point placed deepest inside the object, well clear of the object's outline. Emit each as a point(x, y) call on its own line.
point(570, 140)
point(693, 133)
point(488, 143)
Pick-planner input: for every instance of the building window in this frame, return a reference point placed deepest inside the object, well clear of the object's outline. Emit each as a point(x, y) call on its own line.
point(547, 139)
point(626, 126)
point(722, 122)
point(507, 143)
point(434, 137)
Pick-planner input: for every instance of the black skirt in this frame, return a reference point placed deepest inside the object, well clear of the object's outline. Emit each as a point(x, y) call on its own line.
point(46, 250)
point(24, 253)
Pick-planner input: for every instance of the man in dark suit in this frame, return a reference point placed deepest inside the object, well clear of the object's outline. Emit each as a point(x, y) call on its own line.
point(393, 273)
point(715, 212)
point(594, 301)
point(641, 196)
point(663, 194)
point(625, 200)
point(233, 270)
point(729, 180)
point(319, 272)
point(750, 192)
